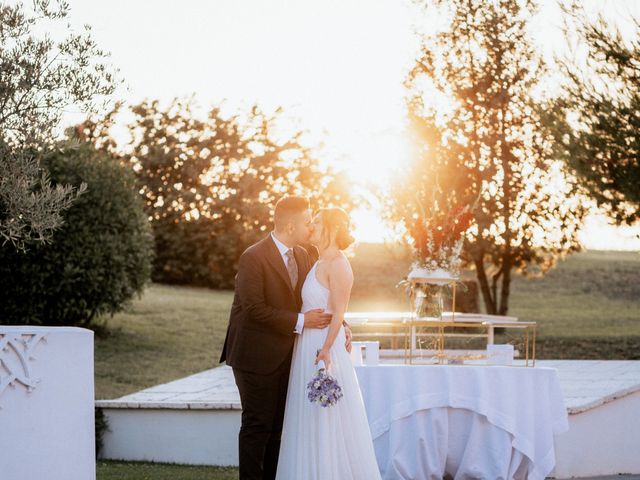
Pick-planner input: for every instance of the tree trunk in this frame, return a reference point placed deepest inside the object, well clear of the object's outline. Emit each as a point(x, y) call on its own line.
point(506, 284)
point(494, 288)
point(489, 302)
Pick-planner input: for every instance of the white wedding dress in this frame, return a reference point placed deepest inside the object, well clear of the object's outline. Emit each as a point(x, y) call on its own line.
point(324, 443)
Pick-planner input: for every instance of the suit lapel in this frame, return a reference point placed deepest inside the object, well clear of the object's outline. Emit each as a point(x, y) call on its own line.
point(276, 261)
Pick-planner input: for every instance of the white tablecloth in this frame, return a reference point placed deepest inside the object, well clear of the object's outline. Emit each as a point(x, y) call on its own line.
point(488, 422)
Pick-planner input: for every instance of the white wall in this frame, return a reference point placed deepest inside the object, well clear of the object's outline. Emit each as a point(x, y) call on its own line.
point(198, 437)
point(600, 441)
point(46, 433)
point(604, 440)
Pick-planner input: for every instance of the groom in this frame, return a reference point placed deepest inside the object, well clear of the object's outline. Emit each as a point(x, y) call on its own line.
point(265, 318)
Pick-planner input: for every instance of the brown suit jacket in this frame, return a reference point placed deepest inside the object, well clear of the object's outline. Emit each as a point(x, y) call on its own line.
point(265, 309)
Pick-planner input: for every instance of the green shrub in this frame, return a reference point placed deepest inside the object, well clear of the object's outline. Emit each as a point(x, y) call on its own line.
point(201, 253)
point(97, 261)
point(101, 426)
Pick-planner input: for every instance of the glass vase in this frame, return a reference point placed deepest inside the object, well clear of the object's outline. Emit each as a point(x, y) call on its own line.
point(429, 302)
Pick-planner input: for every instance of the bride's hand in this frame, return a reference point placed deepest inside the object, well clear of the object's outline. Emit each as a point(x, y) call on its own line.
point(325, 356)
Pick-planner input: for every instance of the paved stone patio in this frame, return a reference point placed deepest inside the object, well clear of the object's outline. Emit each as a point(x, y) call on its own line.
point(584, 383)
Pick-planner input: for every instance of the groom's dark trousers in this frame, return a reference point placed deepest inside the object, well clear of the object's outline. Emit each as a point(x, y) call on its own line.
point(258, 346)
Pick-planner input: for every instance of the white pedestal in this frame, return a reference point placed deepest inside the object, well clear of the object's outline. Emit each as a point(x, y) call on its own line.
point(46, 403)
point(371, 353)
point(500, 354)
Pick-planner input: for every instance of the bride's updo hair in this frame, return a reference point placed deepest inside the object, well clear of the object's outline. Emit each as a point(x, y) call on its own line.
point(336, 220)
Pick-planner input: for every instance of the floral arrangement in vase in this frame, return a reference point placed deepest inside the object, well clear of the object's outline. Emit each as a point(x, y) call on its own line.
point(437, 243)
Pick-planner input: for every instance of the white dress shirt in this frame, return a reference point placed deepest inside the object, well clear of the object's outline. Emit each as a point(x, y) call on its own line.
point(283, 249)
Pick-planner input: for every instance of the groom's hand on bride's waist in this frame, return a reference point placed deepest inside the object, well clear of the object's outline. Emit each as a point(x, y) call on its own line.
point(316, 318)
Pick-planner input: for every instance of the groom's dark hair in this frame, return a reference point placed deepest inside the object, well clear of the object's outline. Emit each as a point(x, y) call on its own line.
point(288, 206)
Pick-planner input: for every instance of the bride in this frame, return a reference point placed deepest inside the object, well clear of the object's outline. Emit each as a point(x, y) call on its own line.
point(334, 442)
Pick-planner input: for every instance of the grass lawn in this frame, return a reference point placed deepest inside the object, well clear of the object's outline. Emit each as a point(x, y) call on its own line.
point(111, 470)
point(591, 294)
point(169, 333)
point(589, 305)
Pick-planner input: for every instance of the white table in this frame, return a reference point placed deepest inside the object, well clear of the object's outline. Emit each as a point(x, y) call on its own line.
point(464, 421)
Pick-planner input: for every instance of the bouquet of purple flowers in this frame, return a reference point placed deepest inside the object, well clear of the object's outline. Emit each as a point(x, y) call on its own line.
point(323, 388)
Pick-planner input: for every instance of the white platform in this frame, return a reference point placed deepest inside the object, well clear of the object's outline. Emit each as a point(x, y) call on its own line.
point(195, 420)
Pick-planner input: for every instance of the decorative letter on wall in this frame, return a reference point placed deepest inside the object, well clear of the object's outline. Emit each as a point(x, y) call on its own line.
point(16, 353)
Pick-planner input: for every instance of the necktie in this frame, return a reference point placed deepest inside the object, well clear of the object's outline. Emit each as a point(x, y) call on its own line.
point(292, 268)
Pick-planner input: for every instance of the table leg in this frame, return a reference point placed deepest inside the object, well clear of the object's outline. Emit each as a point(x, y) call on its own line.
point(394, 340)
point(490, 335)
point(405, 342)
point(413, 338)
point(533, 346)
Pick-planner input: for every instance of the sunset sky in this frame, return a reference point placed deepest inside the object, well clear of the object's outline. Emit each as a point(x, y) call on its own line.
point(337, 66)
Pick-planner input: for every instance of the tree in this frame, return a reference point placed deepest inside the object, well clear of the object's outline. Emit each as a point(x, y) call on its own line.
point(30, 208)
point(597, 121)
point(487, 148)
point(210, 185)
point(99, 258)
point(39, 78)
